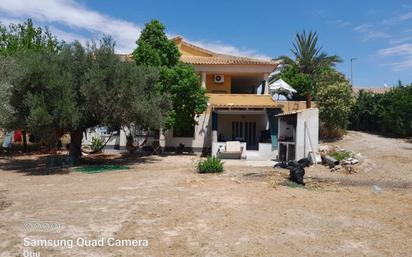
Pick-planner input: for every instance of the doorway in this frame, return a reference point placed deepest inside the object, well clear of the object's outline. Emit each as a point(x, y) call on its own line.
point(245, 132)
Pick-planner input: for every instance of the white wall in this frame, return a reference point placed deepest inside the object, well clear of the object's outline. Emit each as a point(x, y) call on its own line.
point(311, 135)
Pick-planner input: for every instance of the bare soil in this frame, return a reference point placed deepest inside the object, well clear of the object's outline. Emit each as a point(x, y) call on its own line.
point(245, 211)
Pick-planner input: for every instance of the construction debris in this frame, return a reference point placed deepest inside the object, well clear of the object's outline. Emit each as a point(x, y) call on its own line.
point(339, 159)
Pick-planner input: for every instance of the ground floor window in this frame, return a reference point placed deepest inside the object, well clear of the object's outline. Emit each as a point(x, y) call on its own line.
point(184, 132)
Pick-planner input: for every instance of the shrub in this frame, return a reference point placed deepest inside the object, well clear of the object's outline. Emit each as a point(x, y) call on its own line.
point(388, 113)
point(335, 103)
point(210, 165)
point(97, 144)
point(329, 134)
point(340, 155)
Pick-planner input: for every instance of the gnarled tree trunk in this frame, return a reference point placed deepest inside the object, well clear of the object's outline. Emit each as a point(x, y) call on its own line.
point(309, 100)
point(76, 145)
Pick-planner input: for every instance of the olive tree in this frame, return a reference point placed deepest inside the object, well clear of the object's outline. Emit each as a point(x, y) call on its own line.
point(80, 87)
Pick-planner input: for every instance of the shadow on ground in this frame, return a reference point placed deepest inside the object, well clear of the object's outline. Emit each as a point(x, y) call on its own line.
point(35, 165)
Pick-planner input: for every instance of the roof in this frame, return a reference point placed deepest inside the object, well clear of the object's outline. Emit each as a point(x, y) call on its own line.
point(373, 90)
point(205, 56)
point(201, 55)
point(224, 59)
point(125, 57)
point(242, 101)
point(289, 113)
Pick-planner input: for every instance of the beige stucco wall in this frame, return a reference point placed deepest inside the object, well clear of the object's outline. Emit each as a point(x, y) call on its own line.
point(212, 87)
point(202, 135)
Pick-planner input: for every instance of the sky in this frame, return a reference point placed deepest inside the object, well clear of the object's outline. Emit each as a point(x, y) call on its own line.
point(377, 33)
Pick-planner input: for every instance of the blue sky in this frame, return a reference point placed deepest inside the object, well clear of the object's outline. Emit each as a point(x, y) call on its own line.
point(378, 33)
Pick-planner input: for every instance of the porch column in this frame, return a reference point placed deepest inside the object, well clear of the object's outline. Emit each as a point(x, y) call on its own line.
point(203, 79)
point(265, 77)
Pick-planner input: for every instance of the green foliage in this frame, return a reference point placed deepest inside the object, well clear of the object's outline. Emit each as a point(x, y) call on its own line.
point(75, 88)
point(388, 113)
point(178, 80)
point(97, 144)
point(309, 64)
point(308, 54)
point(154, 48)
point(188, 98)
point(7, 112)
point(22, 37)
point(210, 165)
point(299, 81)
point(21, 40)
point(340, 155)
point(335, 103)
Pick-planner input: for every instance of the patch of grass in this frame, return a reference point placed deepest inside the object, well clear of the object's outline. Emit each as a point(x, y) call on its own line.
point(340, 155)
point(210, 165)
point(99, 168)
point(294, 185)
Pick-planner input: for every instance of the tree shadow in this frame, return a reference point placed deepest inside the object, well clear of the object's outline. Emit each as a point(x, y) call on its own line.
point(36, 165)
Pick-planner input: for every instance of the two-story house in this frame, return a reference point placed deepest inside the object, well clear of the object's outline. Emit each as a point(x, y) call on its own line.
point(240, 107)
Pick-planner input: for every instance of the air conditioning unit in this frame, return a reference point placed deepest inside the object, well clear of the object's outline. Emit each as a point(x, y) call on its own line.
point(219, 79)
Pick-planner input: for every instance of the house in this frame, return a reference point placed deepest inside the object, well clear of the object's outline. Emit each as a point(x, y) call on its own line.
point(240, 107)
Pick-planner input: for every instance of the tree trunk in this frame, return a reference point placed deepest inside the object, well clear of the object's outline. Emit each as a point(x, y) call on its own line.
point(76, 145)
point(24, 132)
point(308, 100)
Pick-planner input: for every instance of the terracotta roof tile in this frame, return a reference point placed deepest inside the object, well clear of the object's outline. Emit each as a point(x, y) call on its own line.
point(225, 59)
point(217, 58)
point(373, 90)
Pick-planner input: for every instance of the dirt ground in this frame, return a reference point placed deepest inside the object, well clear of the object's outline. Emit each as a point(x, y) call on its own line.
point(245, 211)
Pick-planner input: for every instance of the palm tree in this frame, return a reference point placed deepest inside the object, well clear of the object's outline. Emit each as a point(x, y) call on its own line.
point(309, 58)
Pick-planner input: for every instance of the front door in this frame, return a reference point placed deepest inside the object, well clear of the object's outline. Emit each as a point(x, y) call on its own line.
point(245, 132)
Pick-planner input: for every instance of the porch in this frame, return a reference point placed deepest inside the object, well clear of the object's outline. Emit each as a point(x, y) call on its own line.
point(254, 128)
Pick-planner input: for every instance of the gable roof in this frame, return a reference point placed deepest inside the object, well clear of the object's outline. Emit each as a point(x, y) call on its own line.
point(193, 54)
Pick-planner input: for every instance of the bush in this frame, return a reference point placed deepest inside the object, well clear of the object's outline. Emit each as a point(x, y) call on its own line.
point(210, 165)
point(335, 102)
point(97, 144)
point(328, 134)
point(388, 113)
point(340, 155)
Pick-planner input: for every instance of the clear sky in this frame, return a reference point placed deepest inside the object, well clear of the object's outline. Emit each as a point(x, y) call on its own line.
point(377, 33)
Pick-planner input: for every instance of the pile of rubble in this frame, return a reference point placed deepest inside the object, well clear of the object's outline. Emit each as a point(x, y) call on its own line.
point(339, 159)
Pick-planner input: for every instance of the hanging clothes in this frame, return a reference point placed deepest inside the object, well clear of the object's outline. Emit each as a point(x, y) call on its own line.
point(7, 140)
point(17, 138)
